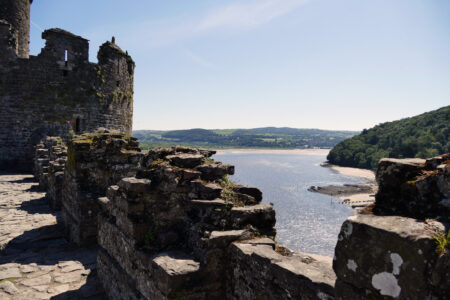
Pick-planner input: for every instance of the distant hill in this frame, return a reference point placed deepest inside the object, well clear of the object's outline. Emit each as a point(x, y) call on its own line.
point(267, 137)
point(421, 136)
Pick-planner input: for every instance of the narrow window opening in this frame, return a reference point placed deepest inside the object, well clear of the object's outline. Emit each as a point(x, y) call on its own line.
point(77, 125)
point(66, 57)
point(65, 73)
point(117, 83)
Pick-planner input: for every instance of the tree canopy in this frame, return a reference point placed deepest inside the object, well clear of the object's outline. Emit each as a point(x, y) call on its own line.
point(421, 136)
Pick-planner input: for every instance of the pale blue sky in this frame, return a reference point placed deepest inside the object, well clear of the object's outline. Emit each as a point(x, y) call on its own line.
point(330, 64)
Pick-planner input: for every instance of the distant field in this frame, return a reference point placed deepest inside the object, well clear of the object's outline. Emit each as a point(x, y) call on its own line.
point(267, 137)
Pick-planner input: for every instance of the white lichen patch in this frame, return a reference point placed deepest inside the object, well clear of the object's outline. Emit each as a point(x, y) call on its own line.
point(387, 284)
point(347, 228)
point(323, 296)
point(397, 262)
point(351, 265)
point(420, 251)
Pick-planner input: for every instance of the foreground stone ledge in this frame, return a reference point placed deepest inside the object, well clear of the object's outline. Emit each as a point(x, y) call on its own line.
point(391, 257)
point(257, 271)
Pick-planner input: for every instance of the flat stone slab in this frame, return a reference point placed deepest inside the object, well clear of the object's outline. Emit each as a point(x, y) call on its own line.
point(221, 239)
point(174, 270)
point(176, 263)
point(36, 261)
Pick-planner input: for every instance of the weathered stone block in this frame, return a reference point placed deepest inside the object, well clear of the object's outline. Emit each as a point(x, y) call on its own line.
point(388, 256)
point(414, 188)
point(256, 271)
point(261, 216)
point(175, 271)
point(186, 160)
point(215, 171)
point(132, 184)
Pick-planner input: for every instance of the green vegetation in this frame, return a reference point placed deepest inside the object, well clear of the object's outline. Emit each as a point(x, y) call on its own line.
point(443, 242)
point(422, 136)
point(268, 137)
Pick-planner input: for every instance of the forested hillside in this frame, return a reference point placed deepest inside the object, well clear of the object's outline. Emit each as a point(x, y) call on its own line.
point(267, 137)
point(421, 136)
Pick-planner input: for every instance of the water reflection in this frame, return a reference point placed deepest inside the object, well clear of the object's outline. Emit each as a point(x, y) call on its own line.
point(307, 222)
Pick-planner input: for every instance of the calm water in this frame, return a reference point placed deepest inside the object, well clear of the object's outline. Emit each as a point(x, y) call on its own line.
point(307, 222)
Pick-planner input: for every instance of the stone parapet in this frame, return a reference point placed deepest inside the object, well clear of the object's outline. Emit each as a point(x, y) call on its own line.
point(95, 161)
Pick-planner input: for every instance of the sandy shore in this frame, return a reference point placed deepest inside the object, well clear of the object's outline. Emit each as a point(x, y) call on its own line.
point(367, 174)
point(319, 152)
point(355, 199)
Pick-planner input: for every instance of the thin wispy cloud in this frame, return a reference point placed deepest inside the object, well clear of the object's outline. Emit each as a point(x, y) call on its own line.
point(198, 59)
point(232, 17)
point(244, 16)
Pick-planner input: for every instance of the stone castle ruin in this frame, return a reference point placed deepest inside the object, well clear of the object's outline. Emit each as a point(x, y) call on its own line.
point(58, 91)
point(169, 224)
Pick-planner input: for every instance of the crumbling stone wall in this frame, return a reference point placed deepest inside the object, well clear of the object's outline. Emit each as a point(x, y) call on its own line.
point(49, 164)
point(180, 229)
point(94, 162)
point(171, 225)
point(58, 92)
point(390, 250)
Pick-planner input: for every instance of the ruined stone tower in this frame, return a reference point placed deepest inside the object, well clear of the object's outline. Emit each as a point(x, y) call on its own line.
point(17, 14)
point(58, 92)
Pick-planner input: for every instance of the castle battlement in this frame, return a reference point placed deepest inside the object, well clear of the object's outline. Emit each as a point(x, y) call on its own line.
point(58, 92)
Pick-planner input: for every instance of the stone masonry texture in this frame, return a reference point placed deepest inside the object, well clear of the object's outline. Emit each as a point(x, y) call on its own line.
point(59, 91)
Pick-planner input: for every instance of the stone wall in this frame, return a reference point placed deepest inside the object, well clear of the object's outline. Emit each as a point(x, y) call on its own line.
point(58, 92)
point(391, 250)
point(49, 164)
point(181, 230)
point(94, 162)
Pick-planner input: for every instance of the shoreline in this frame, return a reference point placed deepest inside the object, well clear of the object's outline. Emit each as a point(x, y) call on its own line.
point(318, 152)
point(364, 173)
point(354, 195)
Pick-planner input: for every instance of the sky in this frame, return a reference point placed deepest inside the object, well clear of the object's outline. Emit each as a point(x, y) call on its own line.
point(328, 64)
